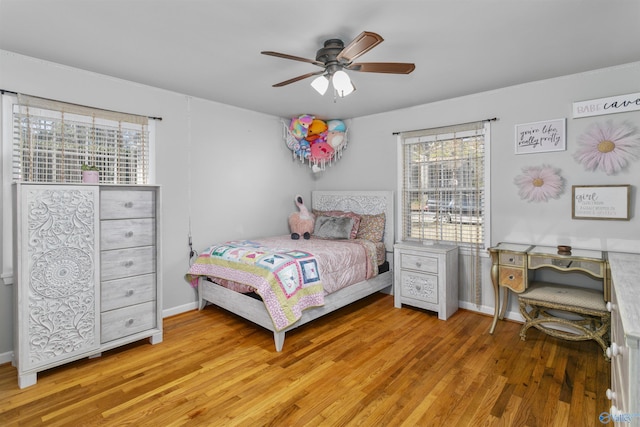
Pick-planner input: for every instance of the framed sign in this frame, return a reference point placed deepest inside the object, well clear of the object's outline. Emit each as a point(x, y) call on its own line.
point(600, 202)
point(610, 105)
point(539, 137)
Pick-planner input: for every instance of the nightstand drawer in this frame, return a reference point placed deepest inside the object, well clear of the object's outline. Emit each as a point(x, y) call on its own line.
point(120, 263)
point(127, 233)
point(512, 278)
point(517, 260)
point(422, 287)
point(129, 291)
point(420, 263)
point(120, 204)
point(127, 321)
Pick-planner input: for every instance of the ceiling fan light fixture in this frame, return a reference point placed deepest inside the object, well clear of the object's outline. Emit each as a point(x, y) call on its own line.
point(342, 83)
point(320, 84)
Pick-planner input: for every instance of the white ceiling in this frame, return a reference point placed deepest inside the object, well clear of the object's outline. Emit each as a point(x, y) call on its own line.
point(211, 48)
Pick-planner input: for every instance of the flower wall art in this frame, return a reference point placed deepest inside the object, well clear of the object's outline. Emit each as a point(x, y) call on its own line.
point(539, 183)
point(607, 147)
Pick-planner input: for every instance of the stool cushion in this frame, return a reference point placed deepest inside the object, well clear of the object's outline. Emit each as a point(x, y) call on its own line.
point(570, 296)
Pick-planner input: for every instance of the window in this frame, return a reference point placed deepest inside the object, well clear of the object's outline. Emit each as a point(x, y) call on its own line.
point(49, 141)
point(443, 191)
point(53, 140)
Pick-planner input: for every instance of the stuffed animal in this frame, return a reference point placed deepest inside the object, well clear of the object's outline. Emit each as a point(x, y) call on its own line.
point(336, 125)
point(321, 151)
point(301, 223)
point(299, 126)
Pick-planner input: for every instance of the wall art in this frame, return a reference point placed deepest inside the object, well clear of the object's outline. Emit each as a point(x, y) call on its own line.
point(609, 105)
point(539, 183)
point(540, 137)
point(608, 147)
point(601, 202)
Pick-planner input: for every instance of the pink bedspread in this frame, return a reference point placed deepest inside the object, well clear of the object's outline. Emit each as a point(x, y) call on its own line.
point(340, 262)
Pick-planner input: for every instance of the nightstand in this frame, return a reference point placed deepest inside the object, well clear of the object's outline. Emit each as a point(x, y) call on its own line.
point(426, 276)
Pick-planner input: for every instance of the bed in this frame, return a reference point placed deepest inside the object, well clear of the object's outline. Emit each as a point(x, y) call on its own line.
point(254, 309)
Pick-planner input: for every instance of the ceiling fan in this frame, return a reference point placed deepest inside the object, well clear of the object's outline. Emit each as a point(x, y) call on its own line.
point(335, 57)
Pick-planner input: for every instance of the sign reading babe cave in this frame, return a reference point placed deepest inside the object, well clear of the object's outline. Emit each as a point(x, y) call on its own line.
point(610, 105)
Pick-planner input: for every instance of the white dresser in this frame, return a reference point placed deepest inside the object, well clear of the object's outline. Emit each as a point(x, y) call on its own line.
point(86, 266)
point(625, 339)
point(426, 276)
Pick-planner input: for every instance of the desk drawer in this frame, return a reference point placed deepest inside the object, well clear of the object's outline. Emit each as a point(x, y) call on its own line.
point(512, 278)
point(420, 263)
point(127, 321)
point(516, 260)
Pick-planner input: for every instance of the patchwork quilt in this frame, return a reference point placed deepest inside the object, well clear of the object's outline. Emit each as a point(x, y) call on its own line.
point(288, 280)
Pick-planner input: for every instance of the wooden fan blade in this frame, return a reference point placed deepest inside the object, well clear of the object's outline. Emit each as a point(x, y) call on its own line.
point(295, 79)
point(383, 67)
point(359, 46)
point(295, 58)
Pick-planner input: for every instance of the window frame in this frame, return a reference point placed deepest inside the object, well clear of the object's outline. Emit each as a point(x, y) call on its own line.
point(6, 175)
point(400, 207)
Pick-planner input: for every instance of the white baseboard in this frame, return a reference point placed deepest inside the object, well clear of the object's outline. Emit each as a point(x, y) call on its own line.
point(6, 357)
point(180, 309)
point(515, 316)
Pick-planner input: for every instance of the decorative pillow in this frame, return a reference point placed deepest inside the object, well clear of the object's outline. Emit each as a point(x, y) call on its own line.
point(333, 227)
point(341, 214)
point(371, 227)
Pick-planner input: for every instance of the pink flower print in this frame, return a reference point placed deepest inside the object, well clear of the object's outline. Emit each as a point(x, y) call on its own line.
point(539, 183)
point(607, 147)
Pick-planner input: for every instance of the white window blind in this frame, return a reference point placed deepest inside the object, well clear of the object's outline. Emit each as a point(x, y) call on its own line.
point(52, 140)
point(443, 191)
point(443, 184)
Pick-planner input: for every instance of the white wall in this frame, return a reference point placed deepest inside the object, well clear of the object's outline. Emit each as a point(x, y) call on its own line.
point(224, 172)
point(367, 162)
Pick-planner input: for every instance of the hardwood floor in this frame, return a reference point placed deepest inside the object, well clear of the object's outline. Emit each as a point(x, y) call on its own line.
point(368, 364)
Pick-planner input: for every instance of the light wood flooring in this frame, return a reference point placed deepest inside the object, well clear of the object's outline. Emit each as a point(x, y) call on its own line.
point(368, 364)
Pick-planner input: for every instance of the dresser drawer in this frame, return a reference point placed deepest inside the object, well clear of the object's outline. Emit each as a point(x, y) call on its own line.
point(129, 291)
point(127, 321)
point(120, 204)
point(517, 260)
point(420, 263)
point(422, 287)
point(127, 233)
point(121, 263)
point(512, 278)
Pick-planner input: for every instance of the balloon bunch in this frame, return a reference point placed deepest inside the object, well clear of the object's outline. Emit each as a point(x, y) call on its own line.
point(317, 141)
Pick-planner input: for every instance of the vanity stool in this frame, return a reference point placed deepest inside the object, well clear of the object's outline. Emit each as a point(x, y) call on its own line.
point(591, 323)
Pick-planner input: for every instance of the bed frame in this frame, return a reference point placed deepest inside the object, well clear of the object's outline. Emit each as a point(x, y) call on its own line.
point(254, 310)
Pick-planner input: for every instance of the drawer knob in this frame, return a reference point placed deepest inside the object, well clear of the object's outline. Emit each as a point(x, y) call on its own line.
point(129, 322)
point(129, 292)
point(512, 259)
point(511, 277)
point(128, 205)
point(129, 234)
point(613, 350)
point(611, 395)
point(128, 263)
point(610, 306)
point(418, 264)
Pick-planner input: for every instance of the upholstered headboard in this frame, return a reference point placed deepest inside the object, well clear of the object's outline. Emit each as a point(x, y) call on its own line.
point(360, 202)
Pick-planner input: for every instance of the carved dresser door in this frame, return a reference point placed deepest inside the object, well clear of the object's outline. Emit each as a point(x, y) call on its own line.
point(57, 267)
